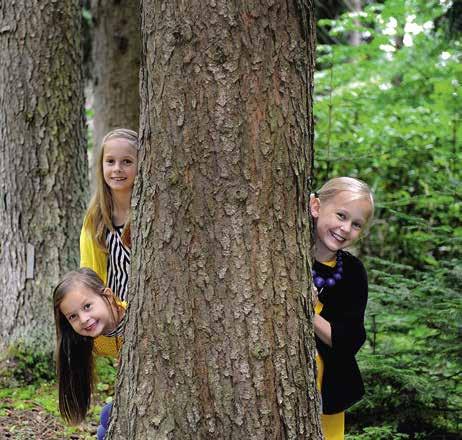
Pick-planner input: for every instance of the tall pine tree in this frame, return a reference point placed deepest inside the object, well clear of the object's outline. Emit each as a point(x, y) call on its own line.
point(218, 343)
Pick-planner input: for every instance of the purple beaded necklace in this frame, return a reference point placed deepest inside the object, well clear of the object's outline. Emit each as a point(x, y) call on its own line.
point(321, 282)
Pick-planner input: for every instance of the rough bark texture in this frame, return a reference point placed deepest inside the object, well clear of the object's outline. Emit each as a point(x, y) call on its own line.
point(42, 162)
point(219, 342)
point(116, 65)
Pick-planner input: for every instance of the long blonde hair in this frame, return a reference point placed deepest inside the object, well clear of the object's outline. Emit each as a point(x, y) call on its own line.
point(358, 188)
point(99, 212)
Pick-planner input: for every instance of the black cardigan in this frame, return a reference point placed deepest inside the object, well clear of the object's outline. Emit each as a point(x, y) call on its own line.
point(344, 307)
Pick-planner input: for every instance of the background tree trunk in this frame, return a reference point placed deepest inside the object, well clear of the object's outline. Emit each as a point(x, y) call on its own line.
point(354, 38)
point(116, 65)
point(218, 341)
point(43, 166)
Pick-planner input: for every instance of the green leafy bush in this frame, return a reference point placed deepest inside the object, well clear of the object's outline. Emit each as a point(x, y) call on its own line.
point(22, 366)
point(388, 111)
point(385, 432)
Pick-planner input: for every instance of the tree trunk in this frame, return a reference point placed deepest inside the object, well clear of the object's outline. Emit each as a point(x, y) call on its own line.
point(116, 65)
point(219, 342)
point(42, 162)
point(354, 38)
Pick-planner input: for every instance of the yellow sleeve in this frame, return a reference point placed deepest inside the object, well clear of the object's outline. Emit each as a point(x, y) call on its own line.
point(91, 255)
point(107, 346)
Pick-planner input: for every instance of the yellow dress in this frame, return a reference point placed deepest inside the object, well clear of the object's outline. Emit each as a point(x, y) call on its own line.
point(333, 425)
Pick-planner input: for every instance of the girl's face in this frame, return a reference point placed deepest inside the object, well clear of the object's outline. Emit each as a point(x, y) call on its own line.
point(339, 223)
point(89, 313)
point(119, 165)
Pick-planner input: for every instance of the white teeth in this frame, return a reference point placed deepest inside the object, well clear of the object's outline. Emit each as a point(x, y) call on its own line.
point(337, 237)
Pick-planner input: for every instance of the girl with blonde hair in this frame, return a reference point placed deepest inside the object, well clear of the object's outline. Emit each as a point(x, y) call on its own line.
point(105, 237)
point(341, 210)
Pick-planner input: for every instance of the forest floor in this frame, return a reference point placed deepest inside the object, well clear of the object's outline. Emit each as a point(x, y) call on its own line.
point(36, 423)
point(29, 405)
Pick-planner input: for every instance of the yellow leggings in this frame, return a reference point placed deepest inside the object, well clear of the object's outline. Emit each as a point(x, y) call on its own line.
point(333, 425)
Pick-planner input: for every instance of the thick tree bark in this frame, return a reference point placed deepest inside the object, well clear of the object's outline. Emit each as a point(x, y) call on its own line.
point(219, 342)
point(116, 65)
point(42, 162)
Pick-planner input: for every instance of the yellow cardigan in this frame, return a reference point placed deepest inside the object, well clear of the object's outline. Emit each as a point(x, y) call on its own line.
point(109, 345)
point(91, 255)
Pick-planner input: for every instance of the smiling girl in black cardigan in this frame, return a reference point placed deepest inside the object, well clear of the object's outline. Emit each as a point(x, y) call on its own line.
point(341, 210)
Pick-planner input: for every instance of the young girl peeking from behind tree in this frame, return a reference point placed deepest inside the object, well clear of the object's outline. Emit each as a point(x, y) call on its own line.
point(84, 309)
point(105, 236)
point(342, 209)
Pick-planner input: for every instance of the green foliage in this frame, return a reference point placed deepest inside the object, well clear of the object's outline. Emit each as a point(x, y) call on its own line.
point(385, 432)
point(106, 372)
point(21, 366)
point(412, 365)
point(90, 114)
point(388, 111)
point(86, 14)
point(27, 397)
point(34, 398)
point(39, 395)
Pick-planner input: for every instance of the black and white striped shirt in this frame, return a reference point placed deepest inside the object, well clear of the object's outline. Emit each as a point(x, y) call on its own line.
point(119, 330)
point(118, 263)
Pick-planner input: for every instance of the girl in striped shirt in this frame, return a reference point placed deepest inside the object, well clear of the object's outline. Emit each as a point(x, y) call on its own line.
point(105, 236)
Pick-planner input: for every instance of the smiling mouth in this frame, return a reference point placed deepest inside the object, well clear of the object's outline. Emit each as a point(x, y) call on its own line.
point(90, 327)
point(337, 237)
